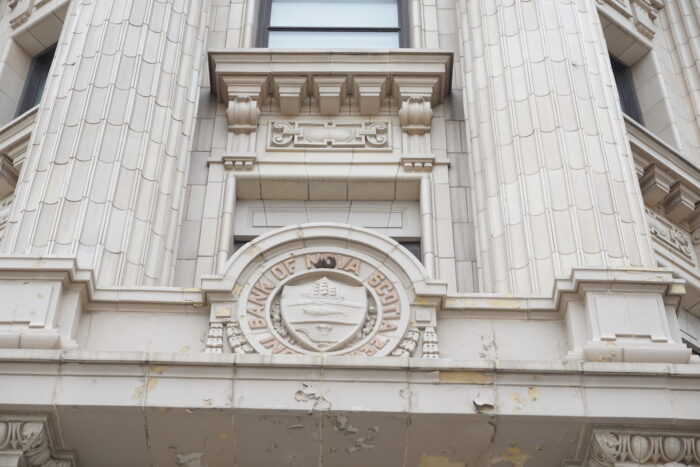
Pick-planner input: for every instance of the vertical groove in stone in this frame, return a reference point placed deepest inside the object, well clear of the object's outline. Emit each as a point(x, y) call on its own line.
point(554, 182)
point(106, 171)
point(686, 38)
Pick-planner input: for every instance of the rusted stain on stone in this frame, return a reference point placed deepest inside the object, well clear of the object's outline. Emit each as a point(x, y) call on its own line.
point(515, 456)
point(438, 461)
point(465, 377)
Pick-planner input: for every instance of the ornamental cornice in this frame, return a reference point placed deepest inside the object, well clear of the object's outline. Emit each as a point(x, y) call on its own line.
point(329, 76)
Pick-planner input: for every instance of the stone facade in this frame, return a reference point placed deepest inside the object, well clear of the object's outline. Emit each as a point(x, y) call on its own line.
point(460, 252)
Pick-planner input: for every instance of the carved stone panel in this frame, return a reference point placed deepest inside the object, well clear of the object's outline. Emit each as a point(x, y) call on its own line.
point(670, 236)
point(294, 135)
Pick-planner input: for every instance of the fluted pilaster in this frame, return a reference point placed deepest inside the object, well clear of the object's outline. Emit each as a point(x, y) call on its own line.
point(105, 176)
point(554, 183)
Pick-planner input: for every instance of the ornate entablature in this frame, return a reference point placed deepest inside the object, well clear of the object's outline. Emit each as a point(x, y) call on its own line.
point(324, 289)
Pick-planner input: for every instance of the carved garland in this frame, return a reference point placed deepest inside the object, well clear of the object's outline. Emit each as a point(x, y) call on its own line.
point(610, 448)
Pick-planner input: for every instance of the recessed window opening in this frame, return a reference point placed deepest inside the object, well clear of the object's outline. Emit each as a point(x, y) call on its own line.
point(626, 89)
point(333, 23)
point(36, 80)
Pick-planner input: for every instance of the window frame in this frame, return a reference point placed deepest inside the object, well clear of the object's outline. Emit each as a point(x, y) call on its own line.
point(40, 68)
point(266, 11)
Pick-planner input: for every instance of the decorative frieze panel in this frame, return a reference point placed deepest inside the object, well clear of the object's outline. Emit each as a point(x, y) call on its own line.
point(613, 448)
point(669, 235)
point(329, 135)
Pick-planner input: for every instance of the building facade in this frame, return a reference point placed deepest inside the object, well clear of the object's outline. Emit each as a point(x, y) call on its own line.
point(411, 233)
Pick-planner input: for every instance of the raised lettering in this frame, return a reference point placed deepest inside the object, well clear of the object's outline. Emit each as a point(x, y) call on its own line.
point(387, 326)
point(257, 310)
point(257, 323)
point(352, 265)
point(391, 297)
point(275, 346)
point(376, 278)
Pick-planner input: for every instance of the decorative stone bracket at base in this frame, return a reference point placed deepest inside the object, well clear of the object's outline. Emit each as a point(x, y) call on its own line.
point(623, 315)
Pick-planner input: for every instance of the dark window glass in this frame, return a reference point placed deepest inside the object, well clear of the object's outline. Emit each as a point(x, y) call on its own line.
point(625, 88)
point(333, 23)
point(414, 248)
point(36, 80)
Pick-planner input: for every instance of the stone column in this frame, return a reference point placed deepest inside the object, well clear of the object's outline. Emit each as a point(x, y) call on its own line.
point(105, 176)
point(554, 184)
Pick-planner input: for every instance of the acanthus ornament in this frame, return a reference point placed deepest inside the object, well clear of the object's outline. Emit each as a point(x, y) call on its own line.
point(29, 436)
point(329, 135)
point(612, 448)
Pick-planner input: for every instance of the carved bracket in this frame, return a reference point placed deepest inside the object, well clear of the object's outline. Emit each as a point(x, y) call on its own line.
point(28, 441)
point(329, 135)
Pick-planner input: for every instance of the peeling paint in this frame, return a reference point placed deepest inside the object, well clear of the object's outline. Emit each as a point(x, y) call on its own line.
point(191, 460)
point(159, 370)
point(341, 424)
point(185, 349)
point(533, 393)
point(223, 312)
point(438, 461)
point(465, 377)
point(484, 404)
point(207, 402)
point(513, 455)
point(310, 392)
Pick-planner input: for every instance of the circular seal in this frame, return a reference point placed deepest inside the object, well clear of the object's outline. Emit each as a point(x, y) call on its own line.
point(329, 302)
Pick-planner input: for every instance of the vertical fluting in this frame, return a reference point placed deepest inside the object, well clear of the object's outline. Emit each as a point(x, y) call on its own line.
point(554, 181)
point(105, 175)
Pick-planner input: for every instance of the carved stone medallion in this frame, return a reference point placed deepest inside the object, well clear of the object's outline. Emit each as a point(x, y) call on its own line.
point(327, 302)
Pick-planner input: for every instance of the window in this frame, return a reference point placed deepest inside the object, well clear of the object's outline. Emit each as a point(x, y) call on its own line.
point(626, 89)
point(36, 80)
point(333, 23)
